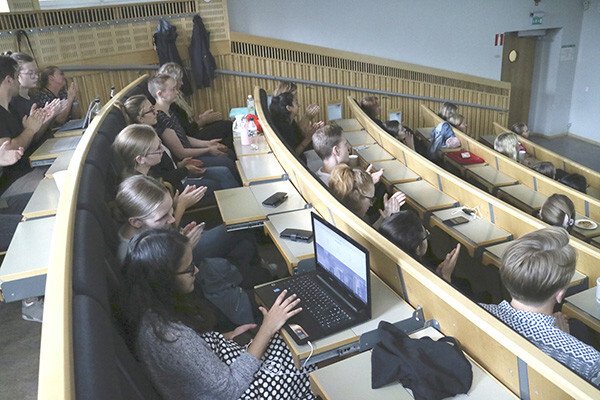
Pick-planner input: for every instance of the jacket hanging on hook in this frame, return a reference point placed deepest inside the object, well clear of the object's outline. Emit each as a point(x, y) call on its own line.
point(165, 39)
point(203, 62)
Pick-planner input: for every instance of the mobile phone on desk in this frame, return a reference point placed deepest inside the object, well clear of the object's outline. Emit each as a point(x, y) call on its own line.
point(275, 199)
point(456, 221)
point(297, 235)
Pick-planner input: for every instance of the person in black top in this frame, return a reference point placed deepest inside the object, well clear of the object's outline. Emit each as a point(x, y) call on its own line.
point(53, 85)
point(370, 105)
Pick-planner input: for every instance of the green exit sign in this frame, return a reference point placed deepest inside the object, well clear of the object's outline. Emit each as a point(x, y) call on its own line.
point(537, 18)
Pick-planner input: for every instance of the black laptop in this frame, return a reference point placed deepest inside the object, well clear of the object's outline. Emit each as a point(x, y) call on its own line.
point(336, 295)
point(81, 123)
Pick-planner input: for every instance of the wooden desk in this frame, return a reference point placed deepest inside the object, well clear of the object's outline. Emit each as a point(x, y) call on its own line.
point(358, 138)
point(74, 132)
point(472, 235)
point(492, 256)
point(584, 307)
point(51, 148)
point(593, 191)
point(461, 168)
point(44, 200)
point(24, 268)
point(488, 140)
point(350, 379)
point(395, 172)
point(259, 146)
point(242, 207)
point(257, 168)
point(372, 153)
point(490, 177)
point(422, 196)
point(424, 134)
point(61, 163)
point(386, 306)
point(348, 125)
point(293, 252)
point(585, 234)
point(522, 197)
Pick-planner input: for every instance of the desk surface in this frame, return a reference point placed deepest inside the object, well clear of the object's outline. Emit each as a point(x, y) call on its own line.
point(244, 204)
point(329, 382)
point(488, 140)
point(424, 133)
point(586, 233)
point(347, 125)
point(259, 146)
point(473, 234)
point(396, 172)
point(260, 167)
point(425, 196)
point(358, 138)
point(524, 196)
point(372, 153)
point(585, 307)
point(51, 148)
point(61, 163)
point(29, 251)
point(386, 306)
point(44, 200)
point(491, 177)
point(292, 251)
point(74, 132)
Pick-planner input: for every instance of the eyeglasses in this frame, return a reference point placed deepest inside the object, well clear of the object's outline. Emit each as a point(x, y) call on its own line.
point(427, 234)
point(31, 74)
point(371, 199)
point(158, 151)
point(150, 110)
point(191, 269)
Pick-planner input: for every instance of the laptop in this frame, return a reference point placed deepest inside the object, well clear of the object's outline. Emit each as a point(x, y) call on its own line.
point(81, 123)
point(334, 297)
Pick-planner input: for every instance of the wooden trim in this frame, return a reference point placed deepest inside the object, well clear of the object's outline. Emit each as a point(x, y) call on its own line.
point(56, 376)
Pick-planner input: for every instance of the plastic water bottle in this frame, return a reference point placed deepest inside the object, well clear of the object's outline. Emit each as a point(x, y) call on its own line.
point(252, 131)
point(96, 108)
point(112, 92)
point(244, 136)
point(250, 105)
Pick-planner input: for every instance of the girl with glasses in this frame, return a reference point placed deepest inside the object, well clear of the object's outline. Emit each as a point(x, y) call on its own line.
point(174, 338)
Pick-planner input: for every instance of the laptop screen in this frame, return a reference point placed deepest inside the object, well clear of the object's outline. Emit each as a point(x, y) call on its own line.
point(345, 260)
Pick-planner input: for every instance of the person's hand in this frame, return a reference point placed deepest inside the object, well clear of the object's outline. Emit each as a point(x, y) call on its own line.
point(195, 171)
point(193, 231)
point(189, 161)
point(238, 331)
point(561, 322)
point(316, 125)
point(208, 117)
point(393, 204)
point(52, 109)
point(312, 110)
point(73, 91)
point(9, 156)
point(35, 120)
point(375, 175)
point(283, 309)
point(446, 267)
point(214, 151)
point(190, 196)
point(409, 139)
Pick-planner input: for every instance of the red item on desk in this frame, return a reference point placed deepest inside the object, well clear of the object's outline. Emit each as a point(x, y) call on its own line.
point(456, 157)
point(253, 117)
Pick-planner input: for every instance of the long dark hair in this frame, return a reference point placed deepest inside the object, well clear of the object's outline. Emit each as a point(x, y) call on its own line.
point(149, 270)
point(405, 230)
point(278, 107)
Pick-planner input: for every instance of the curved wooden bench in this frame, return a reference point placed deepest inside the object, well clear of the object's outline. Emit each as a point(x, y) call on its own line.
point(501, 351)
point(572, 167)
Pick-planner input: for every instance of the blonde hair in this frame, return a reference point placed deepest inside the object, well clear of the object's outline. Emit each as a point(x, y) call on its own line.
point(138, 197)
point(349, 186)
point(519, 128)
point(131, 108)
point(506, 143)
point(286, 87)
point(447, 109)
point(558, 210)
point(159, 82)
point(171, 69)
point(537, 265)
point(456, 120)
point(134, 140)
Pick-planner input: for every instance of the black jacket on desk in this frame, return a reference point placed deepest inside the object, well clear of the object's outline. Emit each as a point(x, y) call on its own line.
point(203, 62)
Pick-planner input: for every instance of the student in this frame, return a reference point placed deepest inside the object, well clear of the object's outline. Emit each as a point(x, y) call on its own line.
point(558, 210)
point(536, 270)
point(52, 86)
point(143, 203)
point(507, 144)
point(458, 121)
point(545, 168)
point(173, 336)
point(406, 231)
point(138, 109)
point(521, 129)
point(442, 136)
point(354, 188)
point(212, 153)
point(575, 181)
point(311, 112)
point(447, 109)
point(401, 132)
point(205, 126)
point(333, 149)
point(370, 105)
point(284, 110)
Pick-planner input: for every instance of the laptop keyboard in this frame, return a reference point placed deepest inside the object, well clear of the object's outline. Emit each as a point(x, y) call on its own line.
point(318, 303)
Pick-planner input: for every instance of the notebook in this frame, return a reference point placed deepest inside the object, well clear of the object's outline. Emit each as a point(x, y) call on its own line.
point(335, 296)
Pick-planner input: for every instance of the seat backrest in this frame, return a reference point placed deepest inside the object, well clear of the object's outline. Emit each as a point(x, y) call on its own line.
point(112, 125)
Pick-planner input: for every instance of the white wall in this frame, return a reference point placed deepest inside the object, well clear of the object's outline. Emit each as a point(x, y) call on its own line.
point(585, 107)
point(456, 36)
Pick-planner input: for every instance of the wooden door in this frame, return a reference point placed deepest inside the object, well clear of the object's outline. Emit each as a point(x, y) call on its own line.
point(518, 70)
